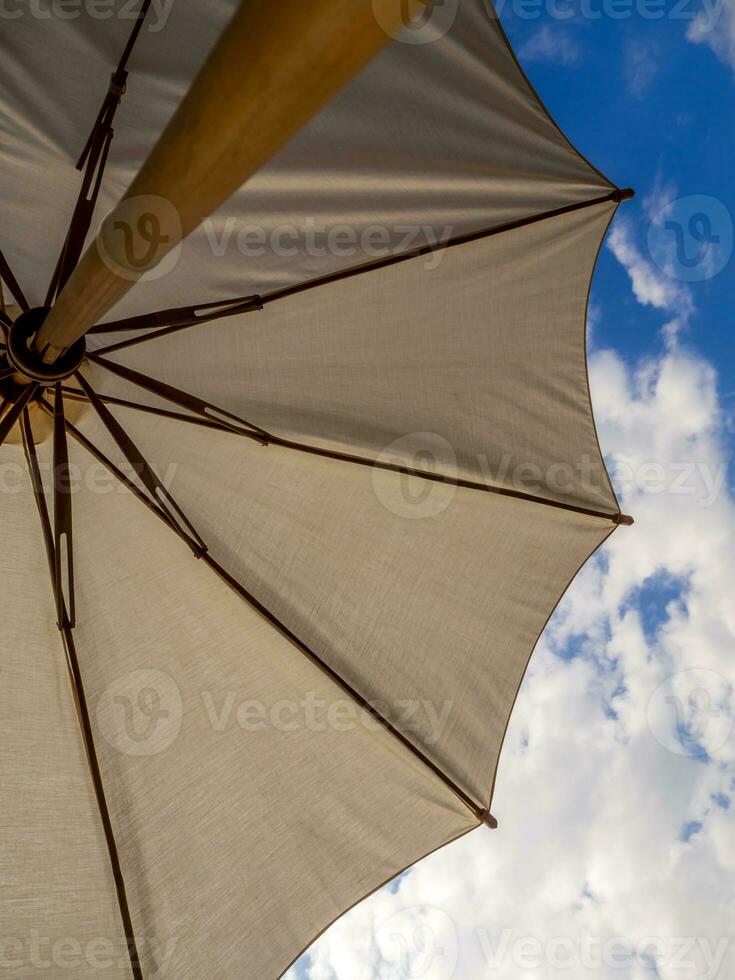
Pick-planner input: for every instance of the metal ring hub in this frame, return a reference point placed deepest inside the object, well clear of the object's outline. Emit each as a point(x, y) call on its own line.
point(27, 361)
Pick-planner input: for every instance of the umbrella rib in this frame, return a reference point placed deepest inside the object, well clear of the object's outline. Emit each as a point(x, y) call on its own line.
point(5, 322)
point(616, 518)
point(274, 440)
point(153, 505)
point(6, 275)
point(65, 627)
point(93, 161)
point(188, 316)
point(81, 218)
point(38, 493)
point(184, 399)
point(15, 411)
point(78, 395)
point(182, 316)
point(145, 473)
point(482, 815)
point(118, 81)
point(63, 523)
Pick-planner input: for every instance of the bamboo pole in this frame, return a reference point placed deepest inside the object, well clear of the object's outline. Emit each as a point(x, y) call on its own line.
point(275, 66)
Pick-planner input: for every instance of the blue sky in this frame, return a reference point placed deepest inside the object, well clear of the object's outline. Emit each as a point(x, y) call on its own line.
point(653, 109)
point(624, 726)
point(649, 108)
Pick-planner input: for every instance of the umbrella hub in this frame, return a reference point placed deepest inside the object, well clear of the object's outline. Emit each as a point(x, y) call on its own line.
point(27, 368)
point(28, 362)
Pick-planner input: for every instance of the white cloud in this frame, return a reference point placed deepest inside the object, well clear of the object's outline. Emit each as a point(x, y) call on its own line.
point(616, 850)
point(614, 855)
point(594, 318)
point(715, 25)
point(651, 286)
point(640, 66)
point(663, 193)
point(551, 44)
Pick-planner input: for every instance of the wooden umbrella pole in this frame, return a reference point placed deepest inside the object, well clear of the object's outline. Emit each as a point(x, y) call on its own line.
point(273, 69)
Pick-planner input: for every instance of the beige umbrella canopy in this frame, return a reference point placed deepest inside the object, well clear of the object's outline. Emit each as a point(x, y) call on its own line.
point(300, 502)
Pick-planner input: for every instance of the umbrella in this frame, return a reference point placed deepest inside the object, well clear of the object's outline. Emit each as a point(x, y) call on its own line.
point(297, 460)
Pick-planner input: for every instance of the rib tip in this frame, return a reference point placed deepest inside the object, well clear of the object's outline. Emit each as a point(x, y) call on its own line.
point(624, 194)
point(625, 520)
point(489, 820)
